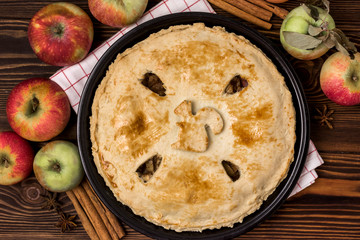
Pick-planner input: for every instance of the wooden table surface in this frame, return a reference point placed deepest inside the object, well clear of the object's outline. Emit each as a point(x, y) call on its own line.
point(329, 209)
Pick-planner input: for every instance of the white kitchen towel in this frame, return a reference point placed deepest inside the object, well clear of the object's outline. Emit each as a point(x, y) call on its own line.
point(73, 78)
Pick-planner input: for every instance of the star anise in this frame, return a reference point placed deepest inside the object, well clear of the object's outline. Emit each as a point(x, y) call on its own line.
point(66, 223)
point(325, 116)
point(51, 202)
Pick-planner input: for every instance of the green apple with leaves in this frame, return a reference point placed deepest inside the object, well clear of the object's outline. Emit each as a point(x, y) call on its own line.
point(306, 32)
point(57, 166)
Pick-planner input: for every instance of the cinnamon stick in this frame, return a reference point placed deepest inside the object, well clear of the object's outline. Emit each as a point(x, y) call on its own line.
point(251, 8)
point(83, 217)
point(110, 221)
point(91, 211)
point(114, 221)
point(241, 14)
point(280, 12)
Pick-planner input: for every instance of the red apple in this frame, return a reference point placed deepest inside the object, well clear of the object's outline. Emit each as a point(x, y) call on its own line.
point(61, 34)
point(340, 79)
point(38, 109)
point(16, 158)
point(117, 13)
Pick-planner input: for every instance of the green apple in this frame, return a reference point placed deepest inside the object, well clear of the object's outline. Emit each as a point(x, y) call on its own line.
point(57, 166)
point(300, 21)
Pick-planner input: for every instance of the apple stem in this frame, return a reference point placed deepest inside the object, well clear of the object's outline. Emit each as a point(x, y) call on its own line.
point(35, 104)
point(58, 29)
point(4, 161)
point(56, 167)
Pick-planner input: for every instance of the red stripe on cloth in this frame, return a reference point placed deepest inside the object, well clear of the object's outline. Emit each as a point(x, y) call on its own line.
point(58, 72)
point(152, 16)
point(70, 83)
point(313, 174)
point(208, 6)
point(157, 6)
point(117, 34)
point(193, 4)
point(80, 79)
point(75, 104)
point(187, 6)
point(168, 7)
point(83, 71)
point(311, 152)
point(97, 59)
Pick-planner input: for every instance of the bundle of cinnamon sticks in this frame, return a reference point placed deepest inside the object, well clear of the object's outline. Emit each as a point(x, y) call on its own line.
point(258, 12)
point(98, 221)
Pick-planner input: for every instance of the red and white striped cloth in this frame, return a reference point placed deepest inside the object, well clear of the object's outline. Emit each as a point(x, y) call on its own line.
point(73, 78)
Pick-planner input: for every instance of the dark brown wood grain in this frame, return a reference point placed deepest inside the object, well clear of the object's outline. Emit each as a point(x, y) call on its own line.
point(329, 209)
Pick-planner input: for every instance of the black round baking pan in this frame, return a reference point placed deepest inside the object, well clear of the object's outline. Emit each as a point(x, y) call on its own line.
point(274, 201)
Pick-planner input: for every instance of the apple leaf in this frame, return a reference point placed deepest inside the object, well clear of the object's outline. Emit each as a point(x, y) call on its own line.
point(311, 11)
point(314, 31)
point(345, 40)
point(301, 41)
point(319, 3)
point(341, 49)
point(327, 5)
point(342, 43)
point(314, 12)
point(330, 42)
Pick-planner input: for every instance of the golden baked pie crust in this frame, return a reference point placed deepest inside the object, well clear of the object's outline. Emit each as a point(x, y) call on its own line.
point(190, 190)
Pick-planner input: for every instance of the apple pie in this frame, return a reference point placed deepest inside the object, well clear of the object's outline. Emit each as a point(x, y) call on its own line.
point(193, 128)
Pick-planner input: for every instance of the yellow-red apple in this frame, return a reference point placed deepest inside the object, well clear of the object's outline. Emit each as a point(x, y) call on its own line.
point(117, 13)
point(299, 21)
point(16, 158)
point(61, 34)
point(57, 166)
point(340, 79)
point(38, 109)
